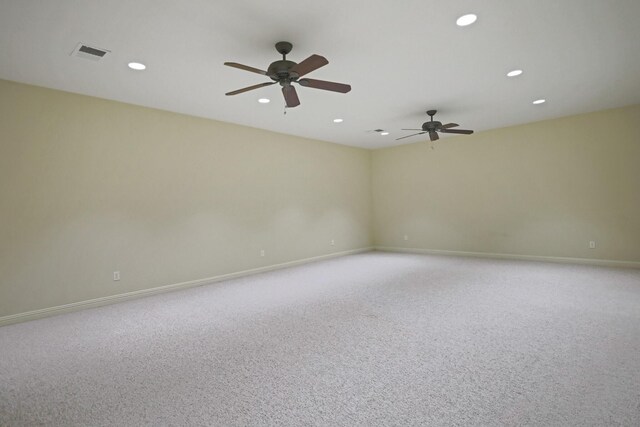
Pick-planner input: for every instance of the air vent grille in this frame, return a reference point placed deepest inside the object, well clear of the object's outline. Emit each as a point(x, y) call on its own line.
point(89, 52)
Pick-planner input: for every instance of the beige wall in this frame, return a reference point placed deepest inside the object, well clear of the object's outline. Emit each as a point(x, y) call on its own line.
point(89, 186)
point(541, 189)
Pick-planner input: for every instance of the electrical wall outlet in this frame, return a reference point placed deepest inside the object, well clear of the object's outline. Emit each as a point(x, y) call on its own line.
point(262, 252)
point(333, 242)
point(116, 276)
point(592, 244)
point(406, 237)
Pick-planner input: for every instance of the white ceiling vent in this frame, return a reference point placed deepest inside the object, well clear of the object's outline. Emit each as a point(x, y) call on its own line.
point(89, 52)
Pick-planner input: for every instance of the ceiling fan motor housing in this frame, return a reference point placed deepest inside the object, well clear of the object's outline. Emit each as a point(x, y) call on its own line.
point(281, 71)
point(427, 126)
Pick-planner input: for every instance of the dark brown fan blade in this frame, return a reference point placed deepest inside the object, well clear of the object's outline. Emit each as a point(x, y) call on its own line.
point(246, 89)
point(433, 135)
point(290, 96)
point(409, 136)
point(245, 67)
point(461, 131)
point(308, 65)
point(325, 85)
point(450, 125)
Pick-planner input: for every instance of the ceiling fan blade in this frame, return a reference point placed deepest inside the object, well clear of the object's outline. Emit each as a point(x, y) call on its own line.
point(433, 135)
point(245, 67)
point(460, 131)
point(308, 65)
point(246, 89)
point(450, 125)
point(290, 96)
point(409, 136)
point(325, 85)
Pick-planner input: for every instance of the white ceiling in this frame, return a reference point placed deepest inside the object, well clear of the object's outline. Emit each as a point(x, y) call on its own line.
point(401, 57)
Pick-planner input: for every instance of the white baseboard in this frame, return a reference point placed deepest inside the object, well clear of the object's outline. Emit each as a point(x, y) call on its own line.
point(111, 299)
point(562, 260)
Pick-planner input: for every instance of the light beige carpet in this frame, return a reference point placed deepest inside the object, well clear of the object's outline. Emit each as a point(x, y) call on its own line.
point(366, 340)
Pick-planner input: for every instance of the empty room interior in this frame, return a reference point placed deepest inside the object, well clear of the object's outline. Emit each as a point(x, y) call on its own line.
point(337, 213)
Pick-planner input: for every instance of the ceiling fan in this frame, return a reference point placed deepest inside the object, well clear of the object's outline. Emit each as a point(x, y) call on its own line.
point(433, 127)
point(287, 72)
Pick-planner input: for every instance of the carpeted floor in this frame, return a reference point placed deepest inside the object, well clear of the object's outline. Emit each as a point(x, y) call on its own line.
point(375, 339)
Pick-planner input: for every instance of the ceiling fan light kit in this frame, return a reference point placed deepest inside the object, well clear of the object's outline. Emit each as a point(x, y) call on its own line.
point(287, 72)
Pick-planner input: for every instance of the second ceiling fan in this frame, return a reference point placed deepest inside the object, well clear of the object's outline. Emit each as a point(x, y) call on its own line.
point(433, 127)
point(287, 72)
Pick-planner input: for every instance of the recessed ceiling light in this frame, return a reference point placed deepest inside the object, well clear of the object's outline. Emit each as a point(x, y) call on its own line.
point(337, 120)
point(514, 73)
point(384, 133)
point(465, 20)
point(137, 66)
point(539, 101)
point(264, 100)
